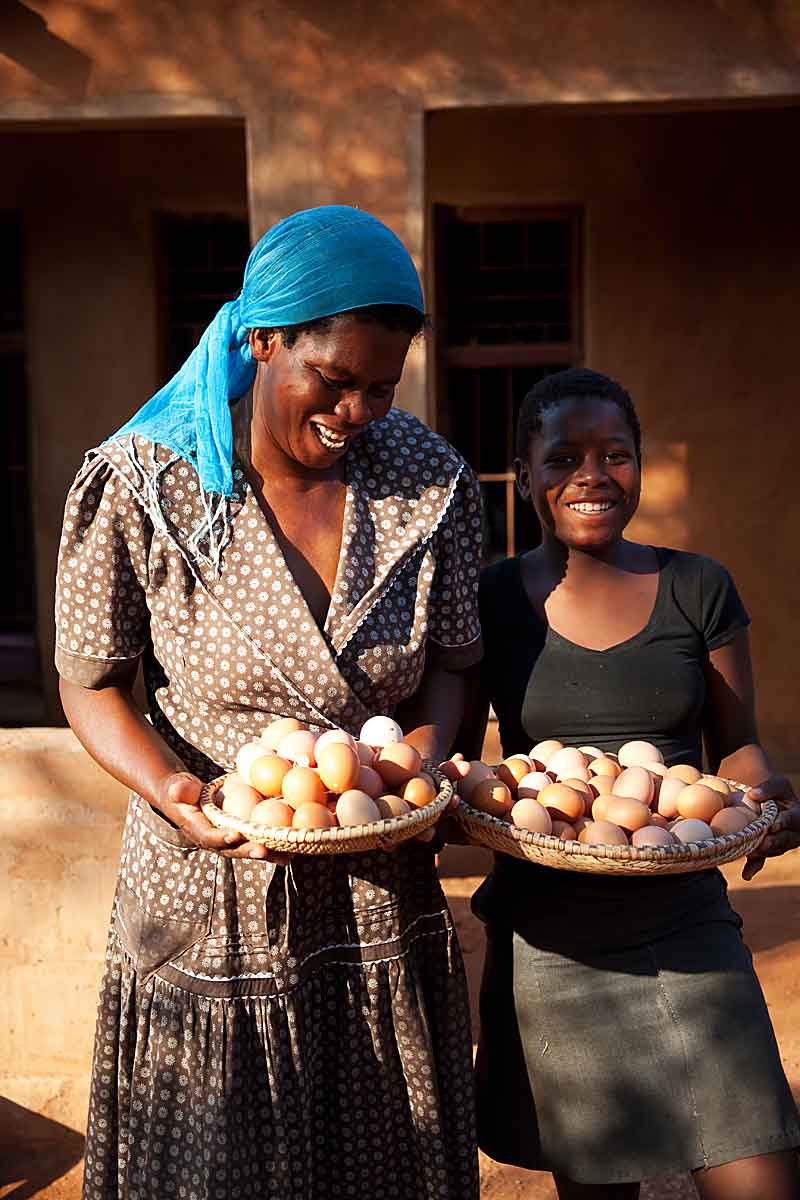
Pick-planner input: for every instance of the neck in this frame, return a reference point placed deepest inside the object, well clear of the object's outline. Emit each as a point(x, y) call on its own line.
point(576, 566)
point(265, 461)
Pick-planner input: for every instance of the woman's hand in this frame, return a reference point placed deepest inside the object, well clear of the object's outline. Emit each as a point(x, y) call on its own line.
point(178, 798)
point(785, 833)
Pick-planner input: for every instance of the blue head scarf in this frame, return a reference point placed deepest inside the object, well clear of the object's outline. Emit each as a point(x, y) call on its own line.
point(315, 263)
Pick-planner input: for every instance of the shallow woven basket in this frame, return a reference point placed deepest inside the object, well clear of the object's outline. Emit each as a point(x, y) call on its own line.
point(379, 835)
point(550, 851)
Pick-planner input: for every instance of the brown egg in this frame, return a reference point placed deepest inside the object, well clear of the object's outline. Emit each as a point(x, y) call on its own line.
point(562, 802)
point(581, 824)
point(268, 773)
point(392, 806)
point(568, 758)
point(478, 771)
point(628, 813)
point(238, 798)
point(313, 816)
point(639, 754)
point(334, 735)
point(581, 773)
point(636, 783)
point(652, 835)
point(397, 763)
point(511, 770)
point(604, 766)
point(731, 820)
point(531, 784)
point(684, 771)
point(366, 754)
point(591, 752)
point(579, 785)
point(600, 808)
point(717, 785)
point(299, 747)
point(303, 786)
point(530, 814)
point(249, 753)
point(691, 830)
point(667, 803)
point(339, 766)
point(492, 796)
point(274, 813)
point(542, 752)
point(603, 833)
point(658, 769)
point(369, 781)
point(356, 808)
point(278, 730)
point(698, 802)
point(601, 785)
point(420, 791)
point(565, 831)
point(659, 821)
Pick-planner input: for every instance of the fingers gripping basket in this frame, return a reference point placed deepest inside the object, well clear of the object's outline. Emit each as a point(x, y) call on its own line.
point(379, 835)
point(550, 851)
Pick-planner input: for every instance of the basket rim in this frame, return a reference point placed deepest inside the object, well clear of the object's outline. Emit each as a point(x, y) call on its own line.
point(701, 852)
point(386, 830)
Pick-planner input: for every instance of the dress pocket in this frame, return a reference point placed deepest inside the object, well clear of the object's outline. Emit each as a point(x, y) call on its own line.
point(165, 890)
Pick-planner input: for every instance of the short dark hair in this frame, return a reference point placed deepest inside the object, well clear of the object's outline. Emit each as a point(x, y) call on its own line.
point(574, 383)
point(392, 316)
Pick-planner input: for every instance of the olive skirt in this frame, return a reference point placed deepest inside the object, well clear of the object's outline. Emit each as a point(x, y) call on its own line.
point(631, 1063)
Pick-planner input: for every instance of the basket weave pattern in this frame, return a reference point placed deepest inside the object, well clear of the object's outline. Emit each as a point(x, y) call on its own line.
point(379, 835)
point(550, 851)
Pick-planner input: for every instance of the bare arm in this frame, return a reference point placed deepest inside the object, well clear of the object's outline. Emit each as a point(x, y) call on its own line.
point(734, 750)
point(432, 716)
point(111, 728)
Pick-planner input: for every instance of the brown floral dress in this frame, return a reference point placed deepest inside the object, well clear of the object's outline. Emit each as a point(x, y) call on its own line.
point(299, 1032)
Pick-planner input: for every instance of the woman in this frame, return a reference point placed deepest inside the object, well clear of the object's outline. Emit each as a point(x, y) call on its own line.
point(291, 1028)
point(621, 1016)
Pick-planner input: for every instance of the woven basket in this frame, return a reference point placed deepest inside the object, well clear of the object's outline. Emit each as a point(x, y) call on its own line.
point(379, 835)
point(550, 851)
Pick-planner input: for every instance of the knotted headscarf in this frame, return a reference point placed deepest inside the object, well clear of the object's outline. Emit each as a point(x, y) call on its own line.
point(315, 263)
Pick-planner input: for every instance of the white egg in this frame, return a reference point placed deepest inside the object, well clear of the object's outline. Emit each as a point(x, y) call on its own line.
point(378, 732)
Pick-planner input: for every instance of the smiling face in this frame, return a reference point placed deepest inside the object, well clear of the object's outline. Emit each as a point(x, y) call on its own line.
point(313, 397)
point(581, 473)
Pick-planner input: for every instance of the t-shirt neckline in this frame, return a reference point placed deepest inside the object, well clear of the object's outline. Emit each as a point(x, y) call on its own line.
point(553, 634)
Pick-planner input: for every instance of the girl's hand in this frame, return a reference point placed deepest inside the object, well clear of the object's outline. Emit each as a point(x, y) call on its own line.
point(178, 799)
point(785, 833)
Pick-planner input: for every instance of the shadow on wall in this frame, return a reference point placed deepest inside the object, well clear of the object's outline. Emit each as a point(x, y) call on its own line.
point(25, 38)
point(34, 1152)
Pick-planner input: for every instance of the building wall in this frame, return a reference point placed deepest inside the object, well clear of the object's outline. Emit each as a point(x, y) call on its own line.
point(691, 295)
point(89, 201)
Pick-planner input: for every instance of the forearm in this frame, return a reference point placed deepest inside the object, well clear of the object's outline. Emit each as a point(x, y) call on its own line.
point(431, 718)
point(111, 728)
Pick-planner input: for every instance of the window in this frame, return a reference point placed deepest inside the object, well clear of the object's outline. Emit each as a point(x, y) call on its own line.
point(507, 313)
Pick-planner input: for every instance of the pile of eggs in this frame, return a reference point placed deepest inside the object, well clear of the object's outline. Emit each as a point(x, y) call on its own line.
point(629, 798)
point(293, 778)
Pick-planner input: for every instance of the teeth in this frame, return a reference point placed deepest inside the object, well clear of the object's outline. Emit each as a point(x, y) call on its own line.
point(329, 439)
point(585, 506)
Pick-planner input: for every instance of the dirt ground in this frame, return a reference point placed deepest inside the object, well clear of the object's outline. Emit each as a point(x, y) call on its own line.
point(40, 1158)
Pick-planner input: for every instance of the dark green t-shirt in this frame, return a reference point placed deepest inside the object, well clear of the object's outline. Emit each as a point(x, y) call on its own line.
point(650, 686)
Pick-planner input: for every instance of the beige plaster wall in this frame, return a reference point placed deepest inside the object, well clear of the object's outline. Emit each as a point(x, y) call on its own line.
point(691, 295)
point(89, 202)
point(62, 818)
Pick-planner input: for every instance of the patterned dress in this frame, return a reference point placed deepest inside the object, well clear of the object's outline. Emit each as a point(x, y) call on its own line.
point(299, 1032)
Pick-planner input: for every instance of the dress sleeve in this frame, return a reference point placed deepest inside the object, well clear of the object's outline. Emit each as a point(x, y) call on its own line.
point(723, 613)
point(102, 620)
point(454, 630)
